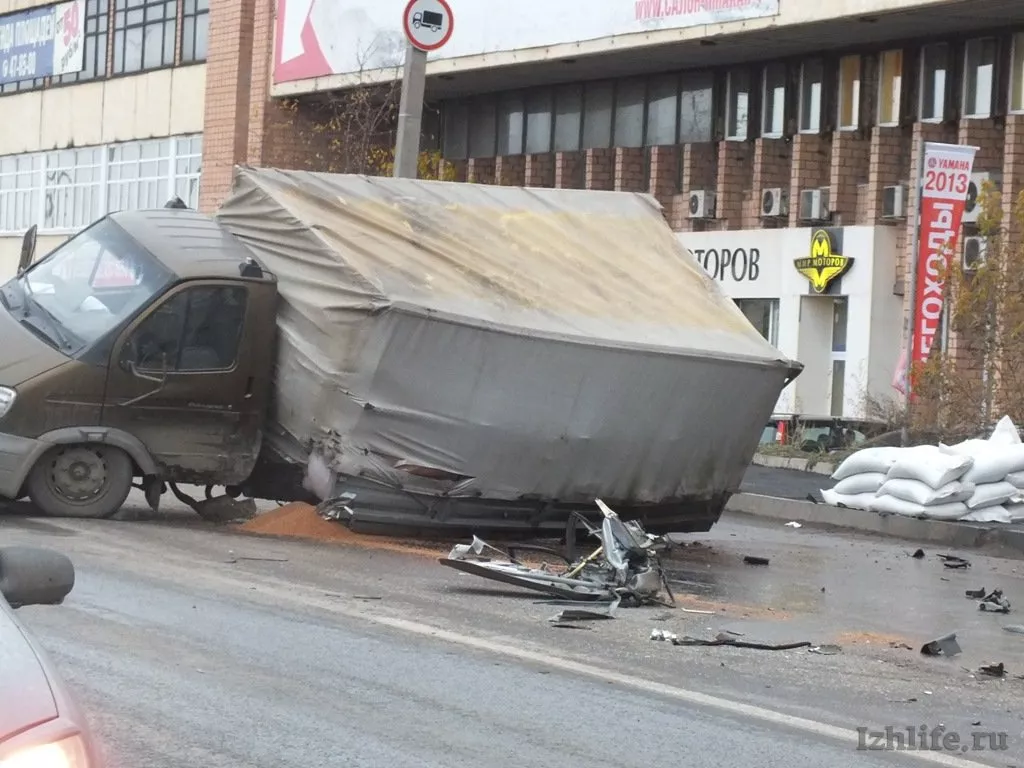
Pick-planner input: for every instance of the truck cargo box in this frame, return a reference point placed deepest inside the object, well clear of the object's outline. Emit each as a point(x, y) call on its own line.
point(485, 357)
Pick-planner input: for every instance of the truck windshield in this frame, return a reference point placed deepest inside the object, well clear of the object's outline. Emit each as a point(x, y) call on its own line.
point(92, 283)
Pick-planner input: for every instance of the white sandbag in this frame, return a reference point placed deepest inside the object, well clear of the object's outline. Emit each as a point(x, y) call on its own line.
point(867, 460)
point(991, 495)
point(1005, 433)
point(850, 501)
point(996, 514)
point(895, 506)
point(971, 447)
point(931, 467)
point(865, 482)
point(1016, 479)
point(917, 492)
point(994, 462)
point(1015, 510)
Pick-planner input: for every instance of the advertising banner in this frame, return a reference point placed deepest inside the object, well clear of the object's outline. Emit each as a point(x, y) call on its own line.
point(943, 197)
point(315, 38)
point(41, 42)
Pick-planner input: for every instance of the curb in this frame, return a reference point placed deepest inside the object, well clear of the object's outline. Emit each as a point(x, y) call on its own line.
point(952, 534)
point(800, 465)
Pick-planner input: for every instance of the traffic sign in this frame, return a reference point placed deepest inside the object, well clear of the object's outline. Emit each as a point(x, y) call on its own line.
point(428, 23)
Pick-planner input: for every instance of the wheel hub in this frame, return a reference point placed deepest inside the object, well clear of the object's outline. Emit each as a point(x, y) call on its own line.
point(78, 474)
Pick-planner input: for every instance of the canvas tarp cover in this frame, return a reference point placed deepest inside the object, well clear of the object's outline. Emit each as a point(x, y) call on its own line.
point(501, 342)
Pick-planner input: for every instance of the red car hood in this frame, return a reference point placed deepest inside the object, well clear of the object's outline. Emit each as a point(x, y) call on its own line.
point(21, 674)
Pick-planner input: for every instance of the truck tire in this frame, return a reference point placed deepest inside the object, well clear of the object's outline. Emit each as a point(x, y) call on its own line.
point(83, 480)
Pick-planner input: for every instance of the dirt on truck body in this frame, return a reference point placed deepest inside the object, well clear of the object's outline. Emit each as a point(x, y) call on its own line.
point(433, 356)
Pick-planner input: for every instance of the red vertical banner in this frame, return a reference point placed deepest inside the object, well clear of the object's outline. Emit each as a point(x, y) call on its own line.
point(946, 177)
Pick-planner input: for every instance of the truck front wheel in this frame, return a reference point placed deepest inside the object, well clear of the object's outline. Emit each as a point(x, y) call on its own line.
point(88, 481)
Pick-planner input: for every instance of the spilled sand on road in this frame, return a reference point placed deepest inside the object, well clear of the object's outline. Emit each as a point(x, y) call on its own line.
point(301, 521)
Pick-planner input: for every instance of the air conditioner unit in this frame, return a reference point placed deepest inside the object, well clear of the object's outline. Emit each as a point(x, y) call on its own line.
point(702, 204)
point(894, 202)
point(974, 251)
point(814, 204)
point(972, 211)
point(774, 202)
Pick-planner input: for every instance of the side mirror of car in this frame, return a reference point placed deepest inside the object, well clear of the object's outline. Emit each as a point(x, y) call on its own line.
point(34, 576)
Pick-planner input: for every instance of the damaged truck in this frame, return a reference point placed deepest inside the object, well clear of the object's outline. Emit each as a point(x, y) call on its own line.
point(432, 356)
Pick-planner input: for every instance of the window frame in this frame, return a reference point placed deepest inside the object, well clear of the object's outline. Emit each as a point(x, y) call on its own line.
point(121, 34)
point(1016, 78)
point(923, 77)
point(966, 77)
point(856, 98)
point(802, 126)
point(769, 132)
point(731, 105)
point(100, 50)
point(197, 18)
point(898, 86)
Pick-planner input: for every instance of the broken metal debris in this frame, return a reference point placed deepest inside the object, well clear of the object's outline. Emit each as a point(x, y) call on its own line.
point(992, 670)
point(730, 639)
point(994, 602)
point(660, 635)
point(952, 561)
point(564, 625)
point(942, 646)
point(624, 567)
point(826, 650)
point(693, 610)
point(753, 560)
point(976, 593)
point(586, 614)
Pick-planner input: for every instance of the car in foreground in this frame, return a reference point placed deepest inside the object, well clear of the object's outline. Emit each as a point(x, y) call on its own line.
point(41, 725)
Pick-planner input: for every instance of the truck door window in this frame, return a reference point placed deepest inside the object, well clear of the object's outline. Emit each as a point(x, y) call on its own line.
point(198, 329)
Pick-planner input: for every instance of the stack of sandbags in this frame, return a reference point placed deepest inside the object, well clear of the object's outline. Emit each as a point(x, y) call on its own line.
point(976, 480)
point(997, 473)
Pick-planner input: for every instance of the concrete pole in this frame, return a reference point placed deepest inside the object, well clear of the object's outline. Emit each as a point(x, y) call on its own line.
point(410, 113)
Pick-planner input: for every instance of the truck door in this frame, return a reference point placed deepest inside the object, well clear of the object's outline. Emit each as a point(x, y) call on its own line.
point(180, 381)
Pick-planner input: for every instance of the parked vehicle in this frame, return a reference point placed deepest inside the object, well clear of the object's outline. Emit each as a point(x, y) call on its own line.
point(40, 722)
point(428, 355)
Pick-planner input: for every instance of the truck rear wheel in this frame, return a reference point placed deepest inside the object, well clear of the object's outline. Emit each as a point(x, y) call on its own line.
point(88, 481)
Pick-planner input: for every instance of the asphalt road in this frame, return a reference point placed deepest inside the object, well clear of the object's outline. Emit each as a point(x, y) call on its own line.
point(186, 652)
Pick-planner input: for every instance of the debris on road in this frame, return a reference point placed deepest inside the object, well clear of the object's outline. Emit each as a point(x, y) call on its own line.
point(994, 602)
point(942, 646)
point(660, 636)
point(605, 611)
point(753, 560)
point(233, 558)
point(976, 593)
point(952, 561)
point(694, 610)
point(794, 523)
point(730, 639)
point(992, 670)
point(826, 650)
point(1016, 629)
point(918, 555)
point(625, 566)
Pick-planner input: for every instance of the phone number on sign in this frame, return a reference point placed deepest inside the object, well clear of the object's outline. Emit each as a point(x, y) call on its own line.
point(21, 66)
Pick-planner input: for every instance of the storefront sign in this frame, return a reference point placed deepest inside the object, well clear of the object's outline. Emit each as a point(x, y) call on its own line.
point(42, 42)
point(946, 179)
point(737, 264)
point(825, 262)
point(315, 38)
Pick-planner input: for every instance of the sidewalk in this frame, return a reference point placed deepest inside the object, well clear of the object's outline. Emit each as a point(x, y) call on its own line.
point(783, 494)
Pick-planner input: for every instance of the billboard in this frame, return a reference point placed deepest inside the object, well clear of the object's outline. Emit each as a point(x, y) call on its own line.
point(41, 42)
point(315, 38)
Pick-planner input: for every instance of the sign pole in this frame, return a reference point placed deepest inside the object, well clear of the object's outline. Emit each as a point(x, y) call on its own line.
point(410, 113)
point(912, 266)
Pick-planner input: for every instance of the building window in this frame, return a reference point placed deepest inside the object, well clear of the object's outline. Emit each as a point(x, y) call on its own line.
point(773, 123)
point(568, 117)
point(483, 128)
point(934, 73)
point(137, 175)
point(849, 93)
point(630, 96)
point(763, 314)
point(662, 111)
point(188, 166)
point(510, 124)
point(21, 181)
point(890, 87)
point(22, 85)
point(144, 34)
point(979, 74)
point(456, 130)
point(812, 83)
point(195, 31)
point(598, 99)
point(737, 115)
point(72, 188)
point(94, 53)
point(1017, 74)
point(696, 107)
point(538, 122)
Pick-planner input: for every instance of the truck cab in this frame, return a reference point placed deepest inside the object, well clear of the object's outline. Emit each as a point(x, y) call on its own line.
point(138, 353)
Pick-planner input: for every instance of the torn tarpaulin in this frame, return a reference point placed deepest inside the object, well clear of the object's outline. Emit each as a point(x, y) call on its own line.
point(625, 567)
